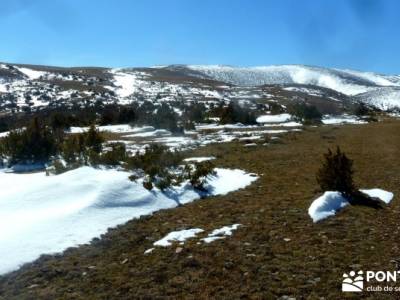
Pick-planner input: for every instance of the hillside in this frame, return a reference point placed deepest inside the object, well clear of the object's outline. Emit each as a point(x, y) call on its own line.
point(183, 181)
point(277, 252)
point(26, 89)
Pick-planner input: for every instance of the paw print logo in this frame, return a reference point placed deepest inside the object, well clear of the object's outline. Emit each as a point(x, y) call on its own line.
point(353, 282)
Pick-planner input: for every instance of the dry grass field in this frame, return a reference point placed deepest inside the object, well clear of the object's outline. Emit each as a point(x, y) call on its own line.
point(277, 252)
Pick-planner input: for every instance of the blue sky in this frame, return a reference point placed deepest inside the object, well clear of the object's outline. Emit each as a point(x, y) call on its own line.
point(358, 34)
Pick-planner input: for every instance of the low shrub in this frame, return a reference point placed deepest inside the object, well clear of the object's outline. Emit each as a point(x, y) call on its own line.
point(147, 184)
point(199, 173)
point(163, 168)
point(36, 143)
point(84, 148)
point(306, 114)
point(336, 173)
point(155, 158)
point(234, 113)
point(114, 157)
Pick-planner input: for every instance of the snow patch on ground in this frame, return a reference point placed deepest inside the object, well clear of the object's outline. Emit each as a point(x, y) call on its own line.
point(326, 205)
point(4, 134)
point(381, 194)
point(344, 119)
point(158, 132)
point(286, 124)
point(178, 236)
point(182, 235)
point(215, 126)
point(120, 128)
point(331, 202)
point(228, 180)
point(274, 118)
point(148, 251)
point(220, 233)
point(117, 128)
point(199, 159)
point(46, 214)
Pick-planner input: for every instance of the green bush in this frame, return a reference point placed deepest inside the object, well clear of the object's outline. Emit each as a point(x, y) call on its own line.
point(164, 181)
point(155, 159)
point(336, 173)
point(194, 113)
point(158, 163)
point(36, 143)
point(163, 168)
point(59, 121)
point(115, 156)
point(93, 139)
point(306, 114)
point(73, 148)
point(86, 148)
point(364, 112)
point(92, 157)
point(234, 113)
point(198, 175)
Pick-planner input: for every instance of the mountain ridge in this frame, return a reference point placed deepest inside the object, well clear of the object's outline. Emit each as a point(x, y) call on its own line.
point(26, 87)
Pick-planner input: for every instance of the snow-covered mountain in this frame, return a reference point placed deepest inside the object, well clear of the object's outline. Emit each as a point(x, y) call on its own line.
point(347, 82)
point(25, 88)
point(384, 98)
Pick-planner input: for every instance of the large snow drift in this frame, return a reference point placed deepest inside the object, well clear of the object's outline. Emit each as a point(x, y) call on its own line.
point(40, 214)
point(331, 202)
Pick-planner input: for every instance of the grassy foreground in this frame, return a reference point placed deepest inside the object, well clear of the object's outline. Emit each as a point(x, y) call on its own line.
point(277, 252)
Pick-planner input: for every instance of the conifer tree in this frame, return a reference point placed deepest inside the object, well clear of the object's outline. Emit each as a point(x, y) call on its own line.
point(336, 173)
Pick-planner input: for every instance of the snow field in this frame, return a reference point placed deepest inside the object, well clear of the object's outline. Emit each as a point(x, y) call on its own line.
point(46, 214)
point(330, 202)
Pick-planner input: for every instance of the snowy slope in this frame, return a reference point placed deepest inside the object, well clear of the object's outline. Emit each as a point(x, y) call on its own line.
point(30, 73)
point(126, 82)
point(383, 98)
point(34, 88)
point(344, 81)
point(49, 214)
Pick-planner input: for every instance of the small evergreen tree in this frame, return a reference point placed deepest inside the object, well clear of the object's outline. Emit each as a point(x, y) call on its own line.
point(73, 148)
point(93, 139)
point(336, 173)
